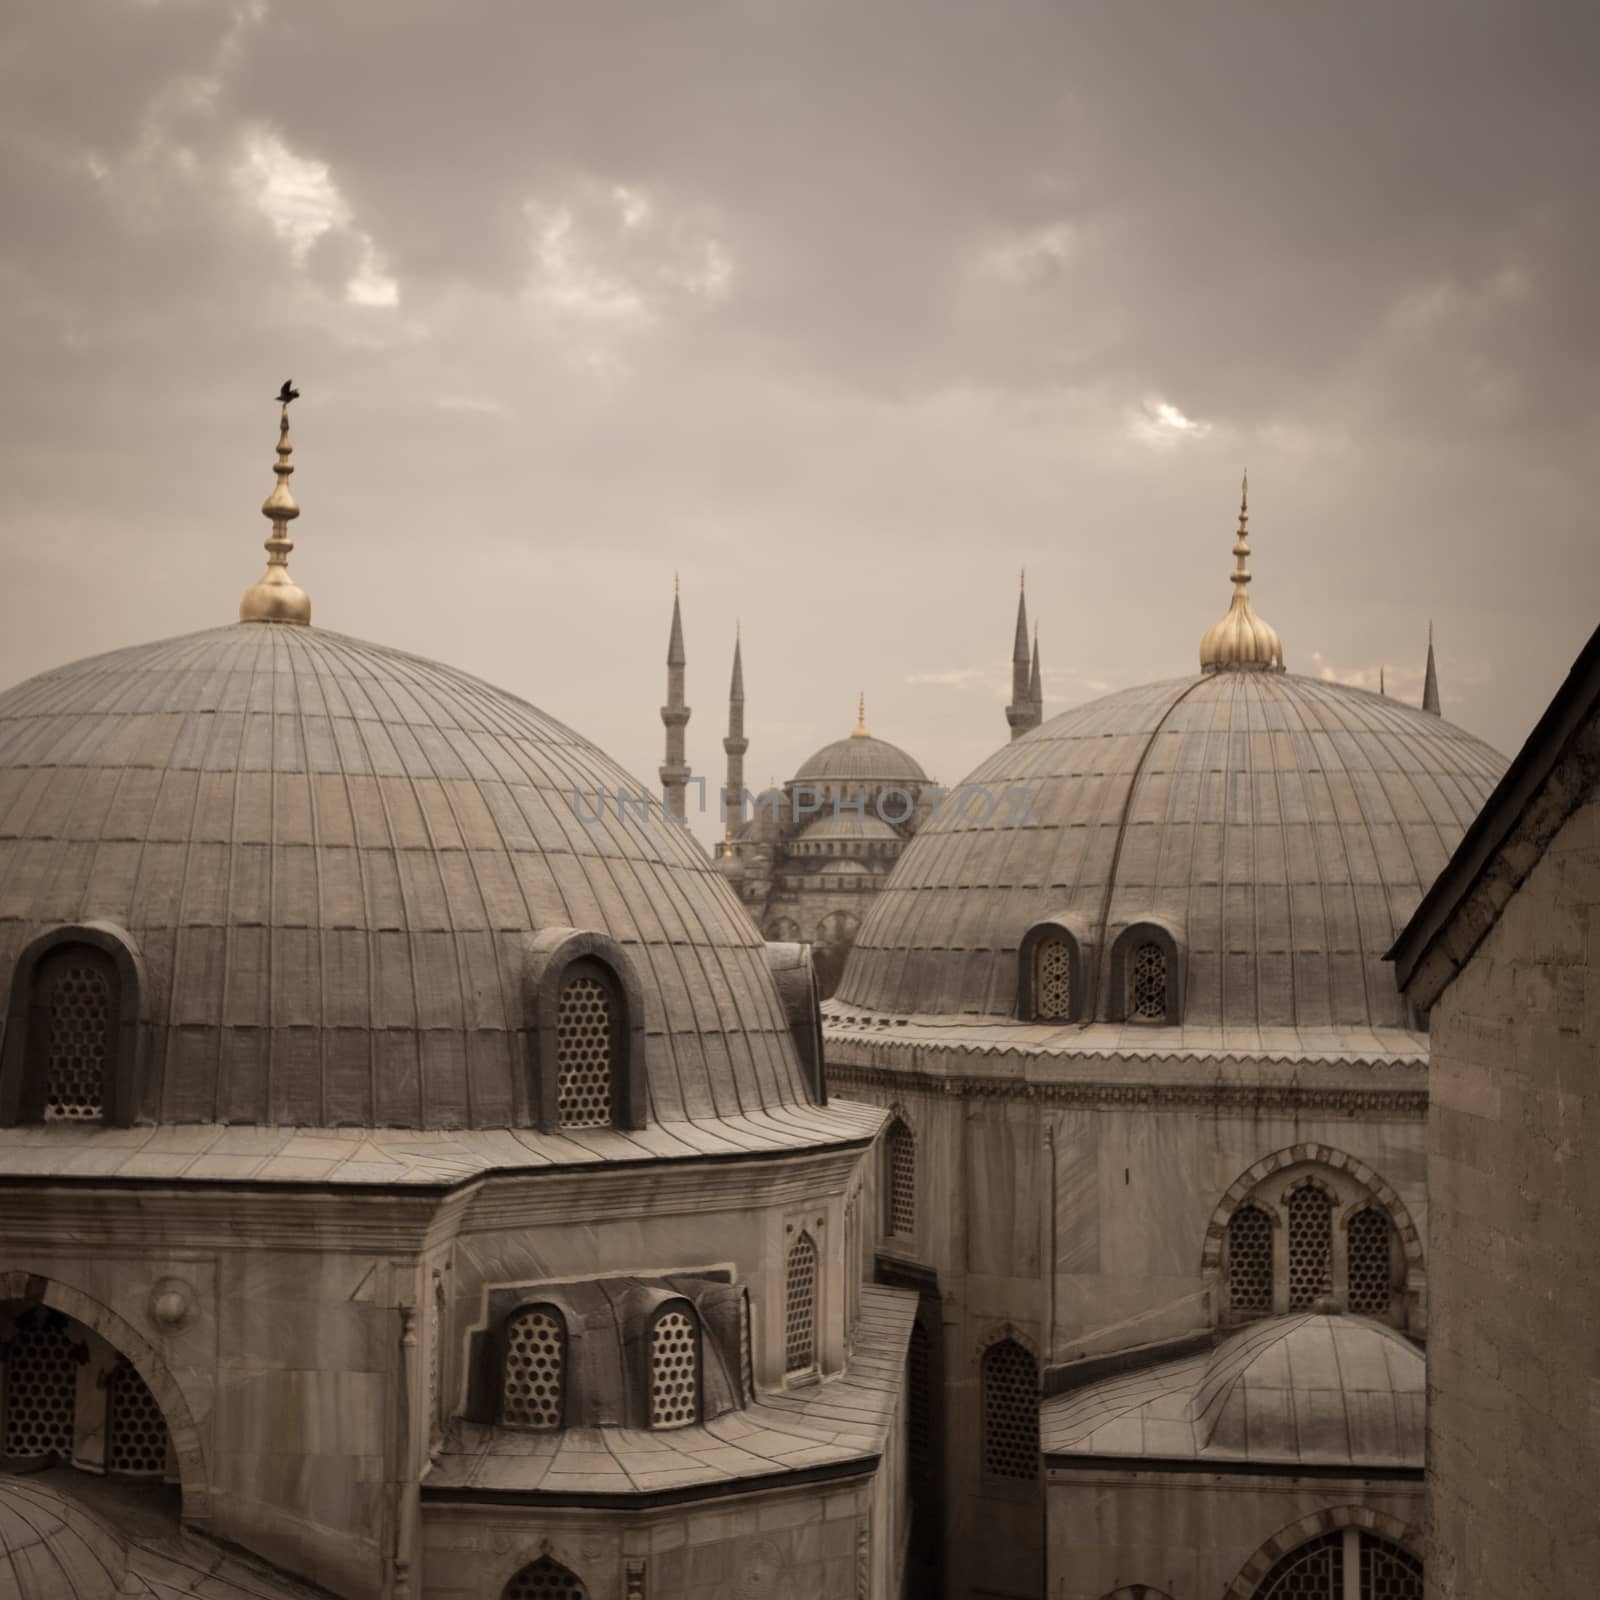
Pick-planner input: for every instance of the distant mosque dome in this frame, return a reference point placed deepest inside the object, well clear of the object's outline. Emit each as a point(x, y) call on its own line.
point(849, 827)
point(1235, 849)
point(860, 759)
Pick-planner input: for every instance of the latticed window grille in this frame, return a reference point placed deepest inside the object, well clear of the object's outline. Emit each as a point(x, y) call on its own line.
point(530, 1394)
point(1052, 980)
point(546, 1579)
point(1321, 1568)
point(1250, 1260)
point(919, 1398)
point(1010, 1412)
point(136, 1432)
point(1310, 1247)
point(584, 1034)
point(1147, 983)
point(1368, 1263)
point(1315, 1571)
point(674, 1371)
point(77, 992)
point(800, 1306)
point(41, 1387)
point(902, 1150)
point(1388, 1572)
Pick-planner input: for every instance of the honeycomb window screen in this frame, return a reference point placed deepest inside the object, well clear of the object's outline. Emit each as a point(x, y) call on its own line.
point(902, 1186)
point(674, 1370)
point(136, 1434)
point(1387, 1571)
point(77, 992)
point(531, 1383)
point(41, 1388)
point(1310, 1246)
point(1250, 1261)
point(545, 1579)
point(1314, 1571)
point(1052, 980)
point(585, 1052)
point(1348, 1562)
point(800, 1307)
point(1147, 983)
point(1010, 1412)
point(1369, 1258)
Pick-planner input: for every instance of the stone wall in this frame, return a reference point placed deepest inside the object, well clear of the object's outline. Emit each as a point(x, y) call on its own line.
point(1514, 1353)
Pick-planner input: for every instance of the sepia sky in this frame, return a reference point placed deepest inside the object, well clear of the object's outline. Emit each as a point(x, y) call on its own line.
point(844, 309)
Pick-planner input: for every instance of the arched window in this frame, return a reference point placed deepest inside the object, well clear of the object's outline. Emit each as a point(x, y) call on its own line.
point(1250, 1261)
point(41, 1389)
point(586, 1048)
point(531, 1389)
point(800, 1307)
point(1052, 980)
point(545, 1579)
point(1310, 1211)
point(1369, 1263)
point(900, 1192)
point(1010, 1412)
point(674, 1367)
point(75, 1016)
point(136, 1432)
point(1324, 1567)
point(1147, 983)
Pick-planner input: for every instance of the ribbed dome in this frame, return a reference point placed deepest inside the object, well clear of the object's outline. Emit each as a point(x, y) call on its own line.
point(52, 1550)
point(860, 759)
point(1282, 828)
point(849, 825)
point(333, 857)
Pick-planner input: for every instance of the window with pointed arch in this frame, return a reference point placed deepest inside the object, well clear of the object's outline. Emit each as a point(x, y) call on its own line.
point(545, 1579)
point(74, 1031)
point(1348, 1564)
point(1010, 1383)
point(533, 1375)
point(800, 1307)
point(1310, 1212)
point(900, 1188)
point(1250, 1261)
point(588, 1044)
point(674, 1349)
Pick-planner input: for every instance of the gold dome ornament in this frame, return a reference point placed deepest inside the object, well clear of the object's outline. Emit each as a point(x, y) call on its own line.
point(1241, 641)
point(275, 596)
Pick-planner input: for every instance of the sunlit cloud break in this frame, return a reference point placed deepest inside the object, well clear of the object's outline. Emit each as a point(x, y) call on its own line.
point(1161, 422)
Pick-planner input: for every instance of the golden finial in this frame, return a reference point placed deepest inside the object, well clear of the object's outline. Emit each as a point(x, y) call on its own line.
point(275, 596)
point(860, 729)
point(1241, 639)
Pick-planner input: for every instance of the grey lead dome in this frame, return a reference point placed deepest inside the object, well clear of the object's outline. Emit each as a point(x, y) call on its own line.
point(1282, 829)
point(333, 858)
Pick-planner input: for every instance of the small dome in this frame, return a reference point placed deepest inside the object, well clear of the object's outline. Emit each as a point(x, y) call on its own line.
point(860, 758)
point(51, 1549)
point(834, 867)
point(849, 826)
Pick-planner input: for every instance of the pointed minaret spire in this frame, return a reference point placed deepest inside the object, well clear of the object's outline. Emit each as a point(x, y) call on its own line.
point(734, 746)
point(275, 596)
point(860, 729)
point(675, 715)
point(1430, 680)
point(1035, 687)
point(1021, 714)
point(1383, 686)
point(1241, 641)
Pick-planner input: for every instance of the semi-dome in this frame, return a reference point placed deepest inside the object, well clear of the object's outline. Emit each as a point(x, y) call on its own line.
point(849, 826)
point(335, 862)
point(1276, 830)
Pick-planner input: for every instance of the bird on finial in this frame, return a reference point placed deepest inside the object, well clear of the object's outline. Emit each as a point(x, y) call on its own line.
point(288, 392)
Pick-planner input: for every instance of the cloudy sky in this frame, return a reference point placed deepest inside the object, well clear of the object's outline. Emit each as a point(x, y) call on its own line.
point(844, 309)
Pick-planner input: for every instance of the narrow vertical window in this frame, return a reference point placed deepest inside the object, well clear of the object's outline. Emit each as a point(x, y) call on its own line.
point(800, 1307)
point(1250, 1261)
point(902, 1185)
point(545, 1579)
point(1010, 1412)
point(585, 1052)
point(41, 1388)
point(1052, 980)
point(1369, 1268)
point(1147, 983)
point(76, 1007)
point(136, 1435)
point(674, 1369)
point(1310, 1246)
point(531, 1384)
point(919, 1399)
point(747, 1357)
point(436, 1376)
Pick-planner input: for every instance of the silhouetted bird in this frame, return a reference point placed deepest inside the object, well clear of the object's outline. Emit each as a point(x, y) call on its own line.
point(288, 392)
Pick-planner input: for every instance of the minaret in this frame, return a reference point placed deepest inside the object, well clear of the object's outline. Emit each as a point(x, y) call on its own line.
point(1035, 687)
point(1430, 680)
point(1022, 714)
point(675, 715)
point(735, 744)
point(275, 596)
